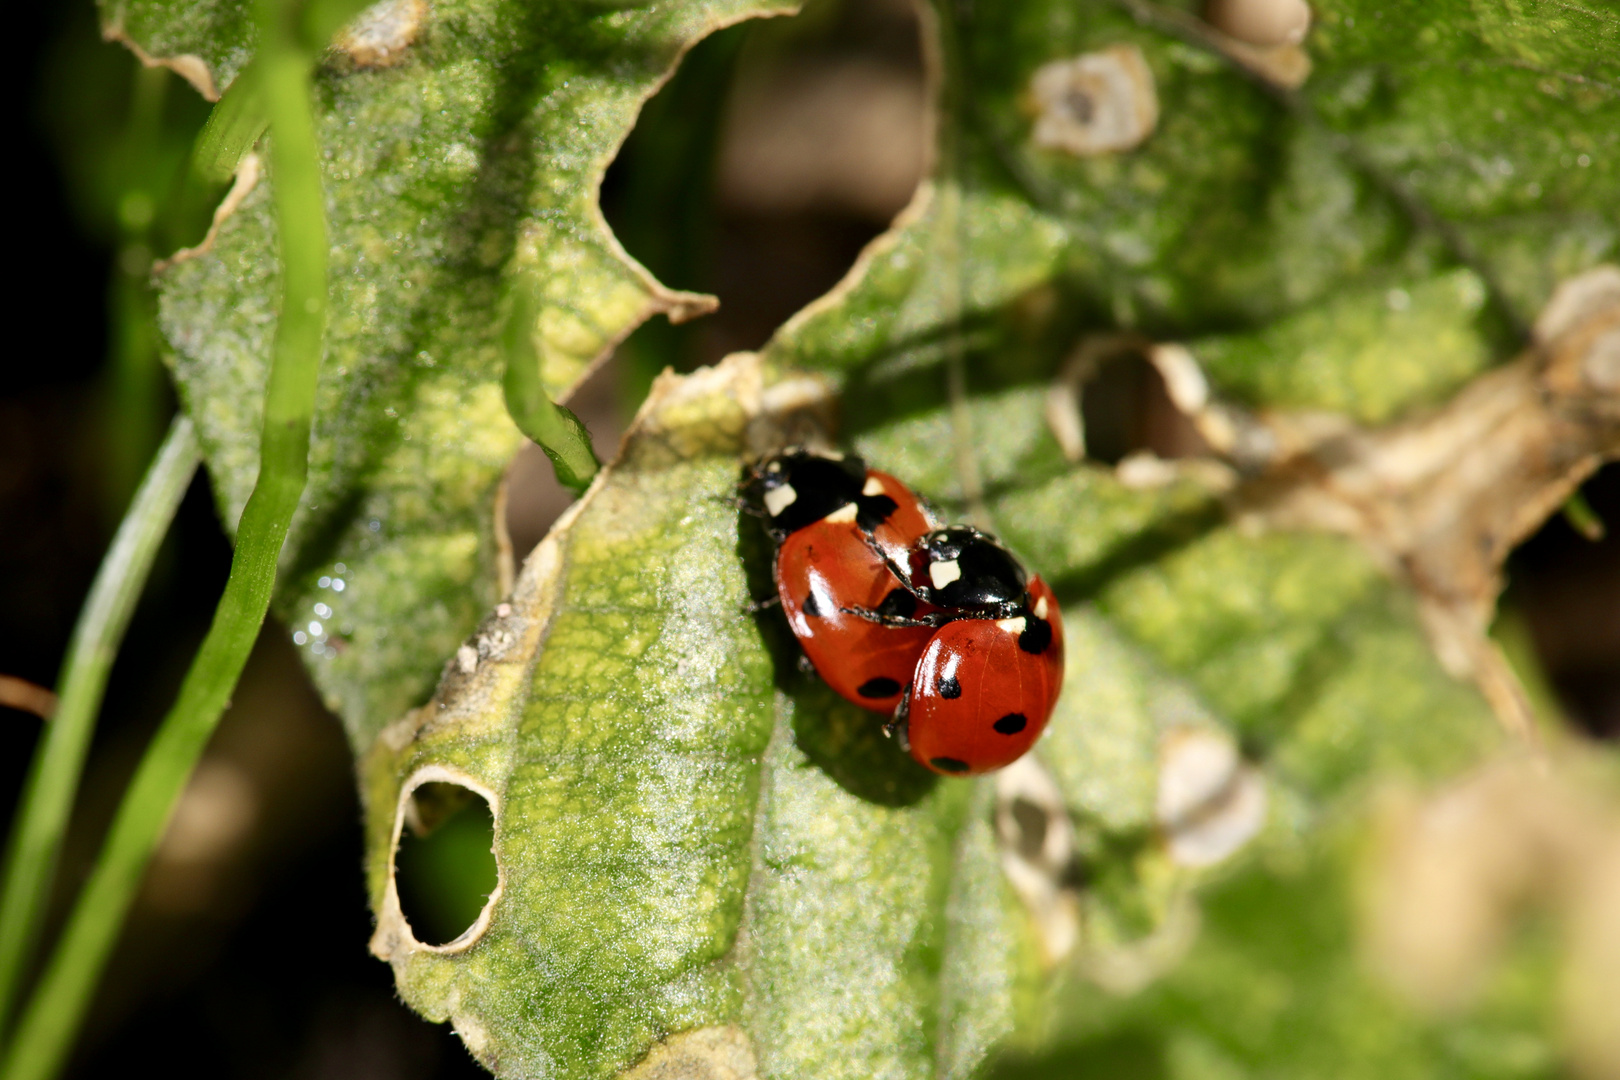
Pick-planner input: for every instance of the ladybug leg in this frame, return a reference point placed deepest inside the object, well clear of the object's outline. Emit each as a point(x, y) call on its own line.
point(883, 618)
point(899, 574)
point(754, 607)
point(806, 667)
point(898, 726)
point(739, 502)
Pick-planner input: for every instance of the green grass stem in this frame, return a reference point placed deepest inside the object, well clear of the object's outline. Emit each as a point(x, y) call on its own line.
point(54, 1013)
point(47, 798)
point(1582, 518)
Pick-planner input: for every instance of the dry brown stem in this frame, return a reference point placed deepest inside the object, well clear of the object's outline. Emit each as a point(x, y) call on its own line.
point(1443, 498)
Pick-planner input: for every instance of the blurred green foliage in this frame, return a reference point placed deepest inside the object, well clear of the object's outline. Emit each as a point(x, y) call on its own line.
point(123, 133)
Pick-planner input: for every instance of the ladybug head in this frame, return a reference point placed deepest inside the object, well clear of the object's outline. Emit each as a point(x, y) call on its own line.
point(796, 487)
point(963, 567)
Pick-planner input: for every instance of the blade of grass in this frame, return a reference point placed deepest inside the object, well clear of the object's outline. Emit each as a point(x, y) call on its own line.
point(234, 125)
point(1582, 518)
point(555, 427)
point(57, 1007)
point(242, 114)
point(47, 799)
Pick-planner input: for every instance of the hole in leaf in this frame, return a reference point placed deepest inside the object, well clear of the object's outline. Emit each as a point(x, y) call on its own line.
point(776, 152)
point(1559, 619)
point(1126, 409)
point(444, 868)
point(1031, 822)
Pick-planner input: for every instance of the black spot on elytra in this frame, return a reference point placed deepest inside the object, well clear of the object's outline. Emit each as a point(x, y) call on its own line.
point(880, 687)
point(898, 602)
point(1036, 637)
point(873, 510)
point(948, 687)
point(948, 764)
point(810, 605)
point(1012, 723)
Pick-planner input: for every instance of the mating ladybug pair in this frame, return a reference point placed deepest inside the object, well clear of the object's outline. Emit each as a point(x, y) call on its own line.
point(941, 628)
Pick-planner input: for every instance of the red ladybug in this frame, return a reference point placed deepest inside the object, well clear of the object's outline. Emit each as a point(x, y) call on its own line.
point(989, 676)
point(985, 688)
point(841, 530)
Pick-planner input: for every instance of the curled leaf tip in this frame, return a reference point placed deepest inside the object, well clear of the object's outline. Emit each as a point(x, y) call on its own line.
point(554, 427)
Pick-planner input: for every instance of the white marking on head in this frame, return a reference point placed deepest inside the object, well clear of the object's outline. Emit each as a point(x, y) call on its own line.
point(778, 499)
point(874, 486)
point(1040, 607)
point(843, 515)
point(1012, 626)
point(943, 573)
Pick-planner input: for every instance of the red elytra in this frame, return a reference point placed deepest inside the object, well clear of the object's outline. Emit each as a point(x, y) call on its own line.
point(980, 699)
point(828, 566)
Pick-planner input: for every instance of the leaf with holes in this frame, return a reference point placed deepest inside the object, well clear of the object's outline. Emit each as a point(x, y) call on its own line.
point(1262, 354)
point(684, 849)
point(460, 141)
point(1394, 944)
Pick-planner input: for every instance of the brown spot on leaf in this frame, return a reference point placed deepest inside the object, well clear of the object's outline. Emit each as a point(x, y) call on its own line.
point(1036, 839)
point(381, 34)
point(1263, 23)
point(1284, 64)
point(1210, 802)
point(1095, 103)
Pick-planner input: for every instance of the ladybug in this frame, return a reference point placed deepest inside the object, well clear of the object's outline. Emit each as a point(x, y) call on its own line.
point(990, 673)
point(841, 532)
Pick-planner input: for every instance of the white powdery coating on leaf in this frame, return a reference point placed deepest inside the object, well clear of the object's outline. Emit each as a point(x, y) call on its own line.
point(834, 873)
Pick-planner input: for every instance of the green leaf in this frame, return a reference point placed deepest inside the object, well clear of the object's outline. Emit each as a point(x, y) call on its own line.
point(478, 148)
point(705, 857)
point(749, 855)
point(1331, 258)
